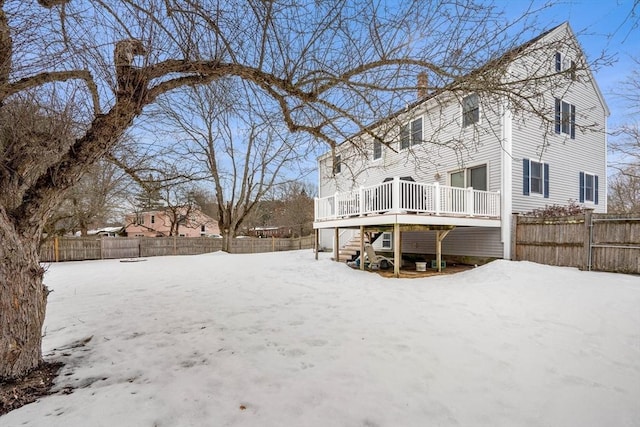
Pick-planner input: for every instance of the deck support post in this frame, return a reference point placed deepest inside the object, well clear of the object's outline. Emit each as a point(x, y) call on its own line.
point(316, 242)
point(336, 244)
point(440, 235)
point(362, 247)
point(397, 250)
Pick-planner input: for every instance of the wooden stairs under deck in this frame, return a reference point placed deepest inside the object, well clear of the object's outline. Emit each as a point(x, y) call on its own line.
point(351, 249)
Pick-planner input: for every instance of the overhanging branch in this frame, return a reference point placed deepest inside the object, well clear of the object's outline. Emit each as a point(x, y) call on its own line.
point(50, 77)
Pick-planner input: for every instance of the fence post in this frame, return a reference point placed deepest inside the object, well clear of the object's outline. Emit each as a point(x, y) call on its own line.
point(56, 249)
point(513, 255)
point(588, 213)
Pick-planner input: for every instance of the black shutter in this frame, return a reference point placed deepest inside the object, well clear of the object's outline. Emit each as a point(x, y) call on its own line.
point(558, 119)
point(546, 180)
point(573, 122)
point(525, 177)
point(581, 187)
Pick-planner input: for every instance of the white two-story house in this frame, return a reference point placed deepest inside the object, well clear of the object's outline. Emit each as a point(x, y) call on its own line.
point(452, 168)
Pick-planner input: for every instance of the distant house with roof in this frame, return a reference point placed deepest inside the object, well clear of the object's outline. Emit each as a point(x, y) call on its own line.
point(163, 222)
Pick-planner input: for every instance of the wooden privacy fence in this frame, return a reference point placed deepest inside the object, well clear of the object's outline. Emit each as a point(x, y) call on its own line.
point(602, 242)
point(91, 248)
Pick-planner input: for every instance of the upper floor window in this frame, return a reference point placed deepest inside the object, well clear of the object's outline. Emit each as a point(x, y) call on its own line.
point(565, 118)
point(470, 110)
point(411, 134)
point(377, 149)
point(562, 63)
point(588, 188)
point(535, 178)
point(337, 165)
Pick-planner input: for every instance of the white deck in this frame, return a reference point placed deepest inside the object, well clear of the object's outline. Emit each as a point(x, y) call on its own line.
point(408, 202)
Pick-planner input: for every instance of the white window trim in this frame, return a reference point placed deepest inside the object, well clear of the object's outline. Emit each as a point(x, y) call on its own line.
point(373, 151)
point(593, 188)
point(462, 112)
point(412, 142)
point(390, 239)
point(531, 192)
point(465, 169)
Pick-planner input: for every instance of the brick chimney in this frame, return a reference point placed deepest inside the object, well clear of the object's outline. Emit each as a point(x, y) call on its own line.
point(423, 85)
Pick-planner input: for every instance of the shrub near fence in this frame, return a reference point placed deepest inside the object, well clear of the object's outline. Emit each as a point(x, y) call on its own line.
point(91, 248)
point(601, 242)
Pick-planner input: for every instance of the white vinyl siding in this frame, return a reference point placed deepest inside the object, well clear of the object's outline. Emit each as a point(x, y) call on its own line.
point(538, 141)
point(461, 241)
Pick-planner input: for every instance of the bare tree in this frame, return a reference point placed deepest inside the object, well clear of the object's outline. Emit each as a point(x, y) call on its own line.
point(296, 210)
point(94, 201)
point(624, 185)
point(244, 152)
point(328, 68)
point(624, 191)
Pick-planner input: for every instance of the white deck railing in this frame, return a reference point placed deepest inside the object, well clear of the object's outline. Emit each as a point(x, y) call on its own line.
point(400, 196)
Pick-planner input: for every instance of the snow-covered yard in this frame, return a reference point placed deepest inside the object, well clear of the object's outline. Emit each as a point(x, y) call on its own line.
point(283, 340)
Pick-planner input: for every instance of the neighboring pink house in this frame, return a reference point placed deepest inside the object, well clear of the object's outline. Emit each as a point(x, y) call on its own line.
point(161, 223)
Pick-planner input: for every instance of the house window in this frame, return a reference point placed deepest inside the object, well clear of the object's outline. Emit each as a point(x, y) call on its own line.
point(387, 241)
point(337, 165)
point(565, 118)
point(470, 110)
point(475, 177)
point(562, 63)
point(377, 149)
point(535, 178)
point(588, 188)
point(411, 134)
point(153, 219)
point(203, 228)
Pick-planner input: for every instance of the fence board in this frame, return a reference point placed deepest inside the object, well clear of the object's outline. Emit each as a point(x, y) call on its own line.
point(88, 248)
point(603, 242)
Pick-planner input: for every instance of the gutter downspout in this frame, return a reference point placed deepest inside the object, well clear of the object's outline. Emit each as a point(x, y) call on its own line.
point(506, 180)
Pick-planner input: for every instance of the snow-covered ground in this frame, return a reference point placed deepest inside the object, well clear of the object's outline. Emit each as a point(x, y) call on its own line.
point(283, 340)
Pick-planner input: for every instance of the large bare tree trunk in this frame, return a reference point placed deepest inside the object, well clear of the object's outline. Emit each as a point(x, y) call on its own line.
point(23, 300)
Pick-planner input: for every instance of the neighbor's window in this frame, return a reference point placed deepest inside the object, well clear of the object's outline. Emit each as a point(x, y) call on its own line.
point(377, 149)
point(470, 110)
point(202, 228)
point(153, 219)
point(411, 134)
